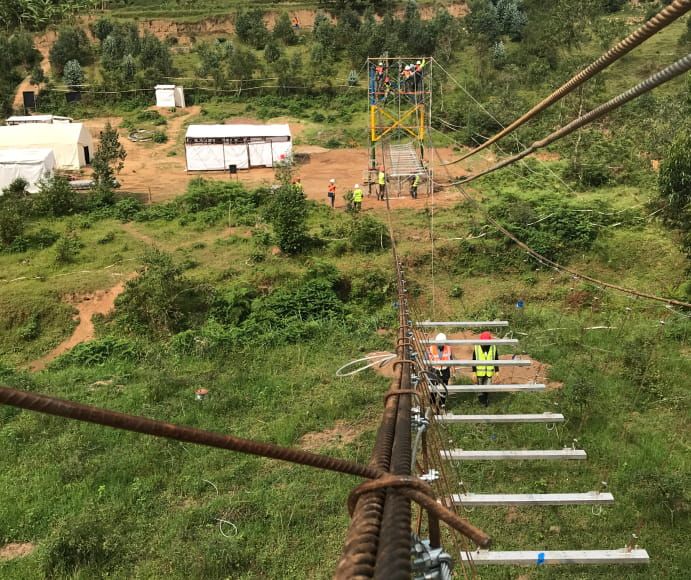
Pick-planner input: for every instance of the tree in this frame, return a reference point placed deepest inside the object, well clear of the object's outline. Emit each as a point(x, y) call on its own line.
point(250, 27)
point(56, 198)
point(283, 30)
point(243, 64)
point(675, 181)
point(13, 211)
point(102, 27)
point(272, 52)
point(71, 44)
point(288, 216)
point(73, 76)
point(109, 158)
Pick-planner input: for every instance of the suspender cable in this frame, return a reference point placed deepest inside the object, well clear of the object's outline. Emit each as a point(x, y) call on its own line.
point(659, 78)
point(662, 19)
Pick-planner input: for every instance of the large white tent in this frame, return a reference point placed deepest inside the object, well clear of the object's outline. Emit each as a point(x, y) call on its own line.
point(170, 96)
point(71, 143)
point(49, 119)
point(217, 147)
point(30, 164)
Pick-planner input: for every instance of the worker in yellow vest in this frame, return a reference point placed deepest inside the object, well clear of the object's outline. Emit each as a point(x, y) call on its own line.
point(357, 197)
point(440, 352)
point(381, 180)
point(414, 185)
point(484, 373)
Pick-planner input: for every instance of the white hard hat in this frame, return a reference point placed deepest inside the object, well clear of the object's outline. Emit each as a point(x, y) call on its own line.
point(418, 62)
point(381, 64)
point(332, 181)
point(357, 185)
point(407, 67)
point(441, 337)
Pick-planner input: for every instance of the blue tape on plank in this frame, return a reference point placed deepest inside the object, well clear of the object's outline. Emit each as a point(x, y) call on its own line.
point(540, 558)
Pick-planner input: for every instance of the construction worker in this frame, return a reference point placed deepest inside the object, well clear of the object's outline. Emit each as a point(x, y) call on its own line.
point(484, 373)
point(440, 352)
point(297, 184)
point(381, 180)
point(296, 23)
point(414, 185)
point(332, 192)
point(357, 197)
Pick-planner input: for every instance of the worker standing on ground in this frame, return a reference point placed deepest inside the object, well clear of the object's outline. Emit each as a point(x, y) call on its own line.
point(414, 185)
point(297, 184)
point(332, 192)
point(357, 198)
point(440, 352)
point(484, 373)
point(381, 180)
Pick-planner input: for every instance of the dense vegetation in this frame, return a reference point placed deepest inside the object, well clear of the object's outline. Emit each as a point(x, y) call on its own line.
point(259, 294)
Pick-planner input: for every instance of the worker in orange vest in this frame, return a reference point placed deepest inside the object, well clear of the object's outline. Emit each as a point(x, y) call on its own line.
point(440, 352)
point(332, 192)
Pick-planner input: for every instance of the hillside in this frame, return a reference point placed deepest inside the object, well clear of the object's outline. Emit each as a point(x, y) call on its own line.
point(134, 298)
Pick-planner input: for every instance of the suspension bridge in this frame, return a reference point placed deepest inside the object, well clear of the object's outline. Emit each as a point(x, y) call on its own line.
point(410, 485)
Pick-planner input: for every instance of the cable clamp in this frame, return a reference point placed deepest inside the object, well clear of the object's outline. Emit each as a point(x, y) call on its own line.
point(430, 563)
point(430, 476)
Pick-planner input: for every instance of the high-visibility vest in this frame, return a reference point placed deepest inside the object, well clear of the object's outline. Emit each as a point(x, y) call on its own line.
point(480, 355)
point(357, 195)
point(435, 355)
point(416, 181)
point(382, 178)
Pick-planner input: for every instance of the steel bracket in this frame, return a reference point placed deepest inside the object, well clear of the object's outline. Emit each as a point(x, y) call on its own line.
point(430, 563)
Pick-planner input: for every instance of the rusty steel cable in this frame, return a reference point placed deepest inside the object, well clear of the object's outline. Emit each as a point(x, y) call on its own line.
point(662, 19)
point(665, 75)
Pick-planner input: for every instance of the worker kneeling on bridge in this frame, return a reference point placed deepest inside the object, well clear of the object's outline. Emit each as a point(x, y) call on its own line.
point(484, 373)
point(440, 352)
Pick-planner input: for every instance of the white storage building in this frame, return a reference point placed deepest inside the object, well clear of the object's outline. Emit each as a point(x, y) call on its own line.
point(216, 147)
point(49, 119)
point(170, 96)
point(71, 143)
point(30, 164)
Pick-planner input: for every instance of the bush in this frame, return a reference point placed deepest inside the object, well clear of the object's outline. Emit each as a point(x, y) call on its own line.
point(367, 234)
point(56, 198)
point(98, 352)
point(161, 300)
point(288, 216)
point(675, 181)
point(127, 209)
point(14, 207)
point(67, 248)
point(73, 75)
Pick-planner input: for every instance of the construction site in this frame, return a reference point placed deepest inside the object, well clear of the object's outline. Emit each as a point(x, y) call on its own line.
point(425, 318)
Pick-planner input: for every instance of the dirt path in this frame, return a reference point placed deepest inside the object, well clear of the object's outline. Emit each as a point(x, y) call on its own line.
point(135, 233)
point(42, 43)
point(100, 302)
point(16, 550)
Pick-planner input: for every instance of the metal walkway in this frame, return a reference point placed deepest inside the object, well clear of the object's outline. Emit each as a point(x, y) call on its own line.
point(404, 161)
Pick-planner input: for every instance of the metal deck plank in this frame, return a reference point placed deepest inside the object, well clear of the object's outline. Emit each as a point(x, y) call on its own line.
point(513, 454)
point(505, 418)
point(528, 499)
point(535, 558)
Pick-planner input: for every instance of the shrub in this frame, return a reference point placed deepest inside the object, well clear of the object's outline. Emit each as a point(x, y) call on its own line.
point(44, 238)
point(14, 208)
point(367, 234)
point(288, 216)
point(675, 181)
point(161, 300)
point(127, 209)
point(67, 248)
point(109, 158)
point(56, 198)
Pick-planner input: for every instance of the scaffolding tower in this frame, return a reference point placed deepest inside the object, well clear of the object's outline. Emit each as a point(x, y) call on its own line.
point(400, 107)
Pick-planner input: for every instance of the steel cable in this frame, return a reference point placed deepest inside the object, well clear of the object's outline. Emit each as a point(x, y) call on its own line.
point(662, 19)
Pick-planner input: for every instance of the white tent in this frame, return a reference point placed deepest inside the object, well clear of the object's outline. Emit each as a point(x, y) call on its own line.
point(170, 96)
point(30, 164)
point(20, 120)
point(216, 147)
point(71, 143)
